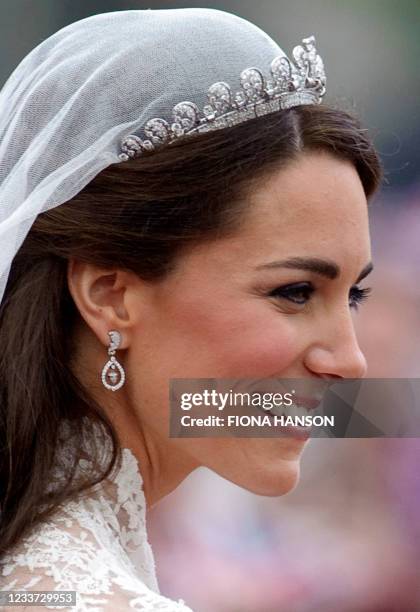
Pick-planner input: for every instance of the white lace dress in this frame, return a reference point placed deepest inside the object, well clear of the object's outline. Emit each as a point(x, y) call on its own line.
point(96, 546)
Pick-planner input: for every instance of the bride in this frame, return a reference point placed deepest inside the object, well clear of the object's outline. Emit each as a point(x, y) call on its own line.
point(175, 202)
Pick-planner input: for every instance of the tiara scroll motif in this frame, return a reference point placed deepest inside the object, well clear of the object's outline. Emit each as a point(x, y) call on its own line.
point(290, 84)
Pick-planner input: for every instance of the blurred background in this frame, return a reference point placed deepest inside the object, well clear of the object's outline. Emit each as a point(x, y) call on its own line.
point(348, 537)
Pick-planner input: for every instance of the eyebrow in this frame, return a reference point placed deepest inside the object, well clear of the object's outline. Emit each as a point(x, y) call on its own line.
point(323, 267)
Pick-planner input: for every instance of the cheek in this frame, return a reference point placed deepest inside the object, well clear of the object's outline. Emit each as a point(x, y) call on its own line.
point(237, 339)
point(258, 350)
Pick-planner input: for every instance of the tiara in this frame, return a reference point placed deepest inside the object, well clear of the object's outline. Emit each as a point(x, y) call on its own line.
point(290, 84)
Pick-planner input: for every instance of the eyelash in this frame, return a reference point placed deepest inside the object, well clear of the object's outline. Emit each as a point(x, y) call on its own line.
point(292, 292)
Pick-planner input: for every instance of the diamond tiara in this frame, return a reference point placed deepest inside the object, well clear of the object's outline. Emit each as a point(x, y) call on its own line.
point(290, 84)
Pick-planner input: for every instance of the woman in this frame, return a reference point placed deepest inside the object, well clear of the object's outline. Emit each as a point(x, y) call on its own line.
point(221, 239)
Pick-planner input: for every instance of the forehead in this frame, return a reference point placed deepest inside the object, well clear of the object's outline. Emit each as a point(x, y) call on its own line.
point(314, 207)
point(316, 201)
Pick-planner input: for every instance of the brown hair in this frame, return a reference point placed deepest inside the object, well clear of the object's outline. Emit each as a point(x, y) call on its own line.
point(138, 215)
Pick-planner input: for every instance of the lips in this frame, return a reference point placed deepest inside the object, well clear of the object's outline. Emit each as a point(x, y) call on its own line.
point(310, 403)
point(294, 410)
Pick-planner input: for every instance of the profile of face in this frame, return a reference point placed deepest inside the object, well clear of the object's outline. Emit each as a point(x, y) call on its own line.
point(274, 300)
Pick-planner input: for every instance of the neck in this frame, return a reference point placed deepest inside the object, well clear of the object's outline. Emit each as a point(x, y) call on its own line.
point(163, 463)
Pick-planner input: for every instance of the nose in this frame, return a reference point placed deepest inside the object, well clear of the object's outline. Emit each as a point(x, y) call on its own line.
point(336, 352)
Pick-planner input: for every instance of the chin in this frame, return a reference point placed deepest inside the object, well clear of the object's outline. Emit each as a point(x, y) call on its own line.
point(279, 480)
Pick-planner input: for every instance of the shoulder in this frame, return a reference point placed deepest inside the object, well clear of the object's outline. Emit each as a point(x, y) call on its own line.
point(66, 554)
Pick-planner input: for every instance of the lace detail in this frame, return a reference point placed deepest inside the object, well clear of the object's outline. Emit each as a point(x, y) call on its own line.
point(96, 546)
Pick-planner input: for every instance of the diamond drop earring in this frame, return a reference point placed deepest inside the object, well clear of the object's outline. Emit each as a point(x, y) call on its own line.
point(113, 375)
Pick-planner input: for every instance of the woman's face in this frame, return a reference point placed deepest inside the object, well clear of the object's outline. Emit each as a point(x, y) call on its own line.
point(275, 300)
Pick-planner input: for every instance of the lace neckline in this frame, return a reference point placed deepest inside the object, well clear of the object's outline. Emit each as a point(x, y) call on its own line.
point(116, 505)
point(123, 492)
point(121, 501)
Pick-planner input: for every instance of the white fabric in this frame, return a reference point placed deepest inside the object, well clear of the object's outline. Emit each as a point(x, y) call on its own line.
point(66, 108)
point(96, 546)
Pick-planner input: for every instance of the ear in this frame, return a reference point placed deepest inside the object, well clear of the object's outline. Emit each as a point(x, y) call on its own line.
point(104, 299)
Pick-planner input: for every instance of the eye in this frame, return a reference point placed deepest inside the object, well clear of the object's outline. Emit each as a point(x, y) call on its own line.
point(298, 293)
point(357, 296)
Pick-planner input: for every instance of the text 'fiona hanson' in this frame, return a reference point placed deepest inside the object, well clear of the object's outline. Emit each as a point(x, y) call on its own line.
point(258, 421)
